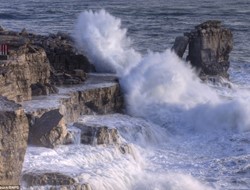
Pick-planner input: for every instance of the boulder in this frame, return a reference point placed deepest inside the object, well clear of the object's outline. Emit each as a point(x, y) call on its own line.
point(96, 134)
point(14, 131)
point(209, 48)
point(49, 130)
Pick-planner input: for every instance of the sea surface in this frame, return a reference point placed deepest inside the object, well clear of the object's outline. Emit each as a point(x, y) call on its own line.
point(183, 134)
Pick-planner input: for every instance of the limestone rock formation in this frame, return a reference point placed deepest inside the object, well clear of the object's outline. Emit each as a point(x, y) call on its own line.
point(209, 48)
point(101, 100)
point(34, 63)
point(14, 136)
point(26, 66)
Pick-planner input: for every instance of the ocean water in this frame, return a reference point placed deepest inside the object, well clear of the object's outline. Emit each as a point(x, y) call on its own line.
point(183, 134)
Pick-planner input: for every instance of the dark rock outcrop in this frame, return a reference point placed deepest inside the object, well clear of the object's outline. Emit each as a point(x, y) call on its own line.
point(180, 45)
point(209, 48)
point(14, 136)
point(48, 130)
point(62, 54)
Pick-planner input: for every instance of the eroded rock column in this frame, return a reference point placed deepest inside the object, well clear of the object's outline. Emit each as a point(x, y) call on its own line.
point(209, 48)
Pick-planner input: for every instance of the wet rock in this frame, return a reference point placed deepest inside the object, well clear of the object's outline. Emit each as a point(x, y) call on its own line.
point(180, 45)
point(96, 134)
point(34, 179)
point(49, 130)
point(209, 48)
point(14, 136)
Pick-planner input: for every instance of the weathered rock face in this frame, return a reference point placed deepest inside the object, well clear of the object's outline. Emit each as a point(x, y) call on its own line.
point(100, 95)
point(92, 101)
point(14, 136)
point(37, 62)
point(48, 130)
point(209, 48)
point(26, 66)
point(62, 54)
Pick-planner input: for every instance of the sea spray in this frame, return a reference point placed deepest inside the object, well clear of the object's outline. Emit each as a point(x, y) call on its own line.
point(106, 44)
point(158, 86)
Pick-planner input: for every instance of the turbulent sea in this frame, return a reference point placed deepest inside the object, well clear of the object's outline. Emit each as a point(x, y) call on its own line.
point(184, 134)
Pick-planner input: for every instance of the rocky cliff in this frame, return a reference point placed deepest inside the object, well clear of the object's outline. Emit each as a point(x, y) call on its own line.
point(35, 63)
point(28, 73)
point(14, 135)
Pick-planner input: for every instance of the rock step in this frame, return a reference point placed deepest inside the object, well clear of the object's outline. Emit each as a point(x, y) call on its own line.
point(99, 95)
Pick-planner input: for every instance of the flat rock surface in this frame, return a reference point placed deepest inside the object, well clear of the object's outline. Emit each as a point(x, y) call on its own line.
point(53, 101)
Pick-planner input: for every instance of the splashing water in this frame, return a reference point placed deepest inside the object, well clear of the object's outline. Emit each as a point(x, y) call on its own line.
point(101, 37)
point(159, 86)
